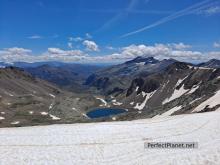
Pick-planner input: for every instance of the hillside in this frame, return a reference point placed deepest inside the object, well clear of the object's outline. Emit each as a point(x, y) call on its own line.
point(25, 100)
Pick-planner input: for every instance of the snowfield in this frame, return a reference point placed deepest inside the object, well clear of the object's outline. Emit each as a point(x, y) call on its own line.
point(115, 142)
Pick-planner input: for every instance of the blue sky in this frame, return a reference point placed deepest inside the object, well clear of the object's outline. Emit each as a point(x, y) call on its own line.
point(91, 28)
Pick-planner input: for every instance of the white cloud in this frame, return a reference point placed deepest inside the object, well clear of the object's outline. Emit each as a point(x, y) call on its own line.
point(61, 52)
point(89, 36)
point(52, 54)
point(15, 54)
point(109, 47)
point(180, 46)
point(35, 37)
point(216, 45)
point(210, 11)
point(70, 45)
point(75, 39)
point(91, 45)
point(18, 51)
point(159, 51)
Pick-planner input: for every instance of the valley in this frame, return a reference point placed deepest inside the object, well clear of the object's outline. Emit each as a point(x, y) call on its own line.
point(55, 93)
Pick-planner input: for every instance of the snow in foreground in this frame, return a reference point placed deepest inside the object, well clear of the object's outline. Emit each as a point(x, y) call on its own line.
point(115, 143)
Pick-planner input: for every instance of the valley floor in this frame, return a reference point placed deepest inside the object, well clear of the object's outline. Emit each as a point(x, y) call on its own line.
point(115, 142)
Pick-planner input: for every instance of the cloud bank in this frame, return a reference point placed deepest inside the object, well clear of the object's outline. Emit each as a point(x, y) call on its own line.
point(178, 51)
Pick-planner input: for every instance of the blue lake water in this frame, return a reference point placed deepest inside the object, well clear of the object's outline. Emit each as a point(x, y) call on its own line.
point(104, 112)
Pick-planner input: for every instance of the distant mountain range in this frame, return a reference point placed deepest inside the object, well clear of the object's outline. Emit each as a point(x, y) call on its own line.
point(53, 92)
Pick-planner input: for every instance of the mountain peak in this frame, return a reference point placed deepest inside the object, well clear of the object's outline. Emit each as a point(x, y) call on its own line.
point(213, 63)
point(140, 59)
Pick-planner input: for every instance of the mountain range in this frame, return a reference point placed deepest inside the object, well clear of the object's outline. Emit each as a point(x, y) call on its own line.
point(47, 93)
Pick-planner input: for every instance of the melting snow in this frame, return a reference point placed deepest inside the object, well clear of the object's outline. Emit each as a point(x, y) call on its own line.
point(114, 118)
point(7, 93)
point(180, 81)
point(114, 102)
point(131, 103)
point(194, 88)
point(52, 95)
point(2, 113)
point(144, 94)
point(31, 112)
point(15, 122)
point(211, 102)
point(102, 100)
point(194, 100)
point(140, 63)
point(44, 113)
point(2, 118)
point(142, 105)
point(51, 106)
point(169, 112)
point(176, 94)
point(54, 117)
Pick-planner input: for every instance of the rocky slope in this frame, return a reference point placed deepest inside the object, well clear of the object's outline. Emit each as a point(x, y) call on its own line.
point(25, 100)
point(116, 79)
point(213, 63)
point(180, 88)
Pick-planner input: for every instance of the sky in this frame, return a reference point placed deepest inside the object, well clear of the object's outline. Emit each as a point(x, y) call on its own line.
point(97, 31)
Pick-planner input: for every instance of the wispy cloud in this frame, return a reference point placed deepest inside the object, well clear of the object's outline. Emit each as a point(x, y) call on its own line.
point(133, 11)
point(89, 36)
point(216, 45)
point(189, 10)
point(35, 37)
point(210, 11)
point(75, 39)
point(120, 15)
point(70, 45)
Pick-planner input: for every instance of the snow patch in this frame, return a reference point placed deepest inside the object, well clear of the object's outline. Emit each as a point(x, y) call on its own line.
point(44, 113)
point(137, 88)
point(180, 81)
point(144, 94)
point(176, 94)
point(2, 118)
point(52, 95)
point(54, 117)
point(15, 122)
point(7, 93)
point(211, 102)
point(51, 106)
point(102, 100)
point(142, 105)
point(132, 103)
point(114, 118)
point(169, 112)
point(194, 88)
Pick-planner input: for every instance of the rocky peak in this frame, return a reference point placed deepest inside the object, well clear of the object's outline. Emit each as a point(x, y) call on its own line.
point(146, 60)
